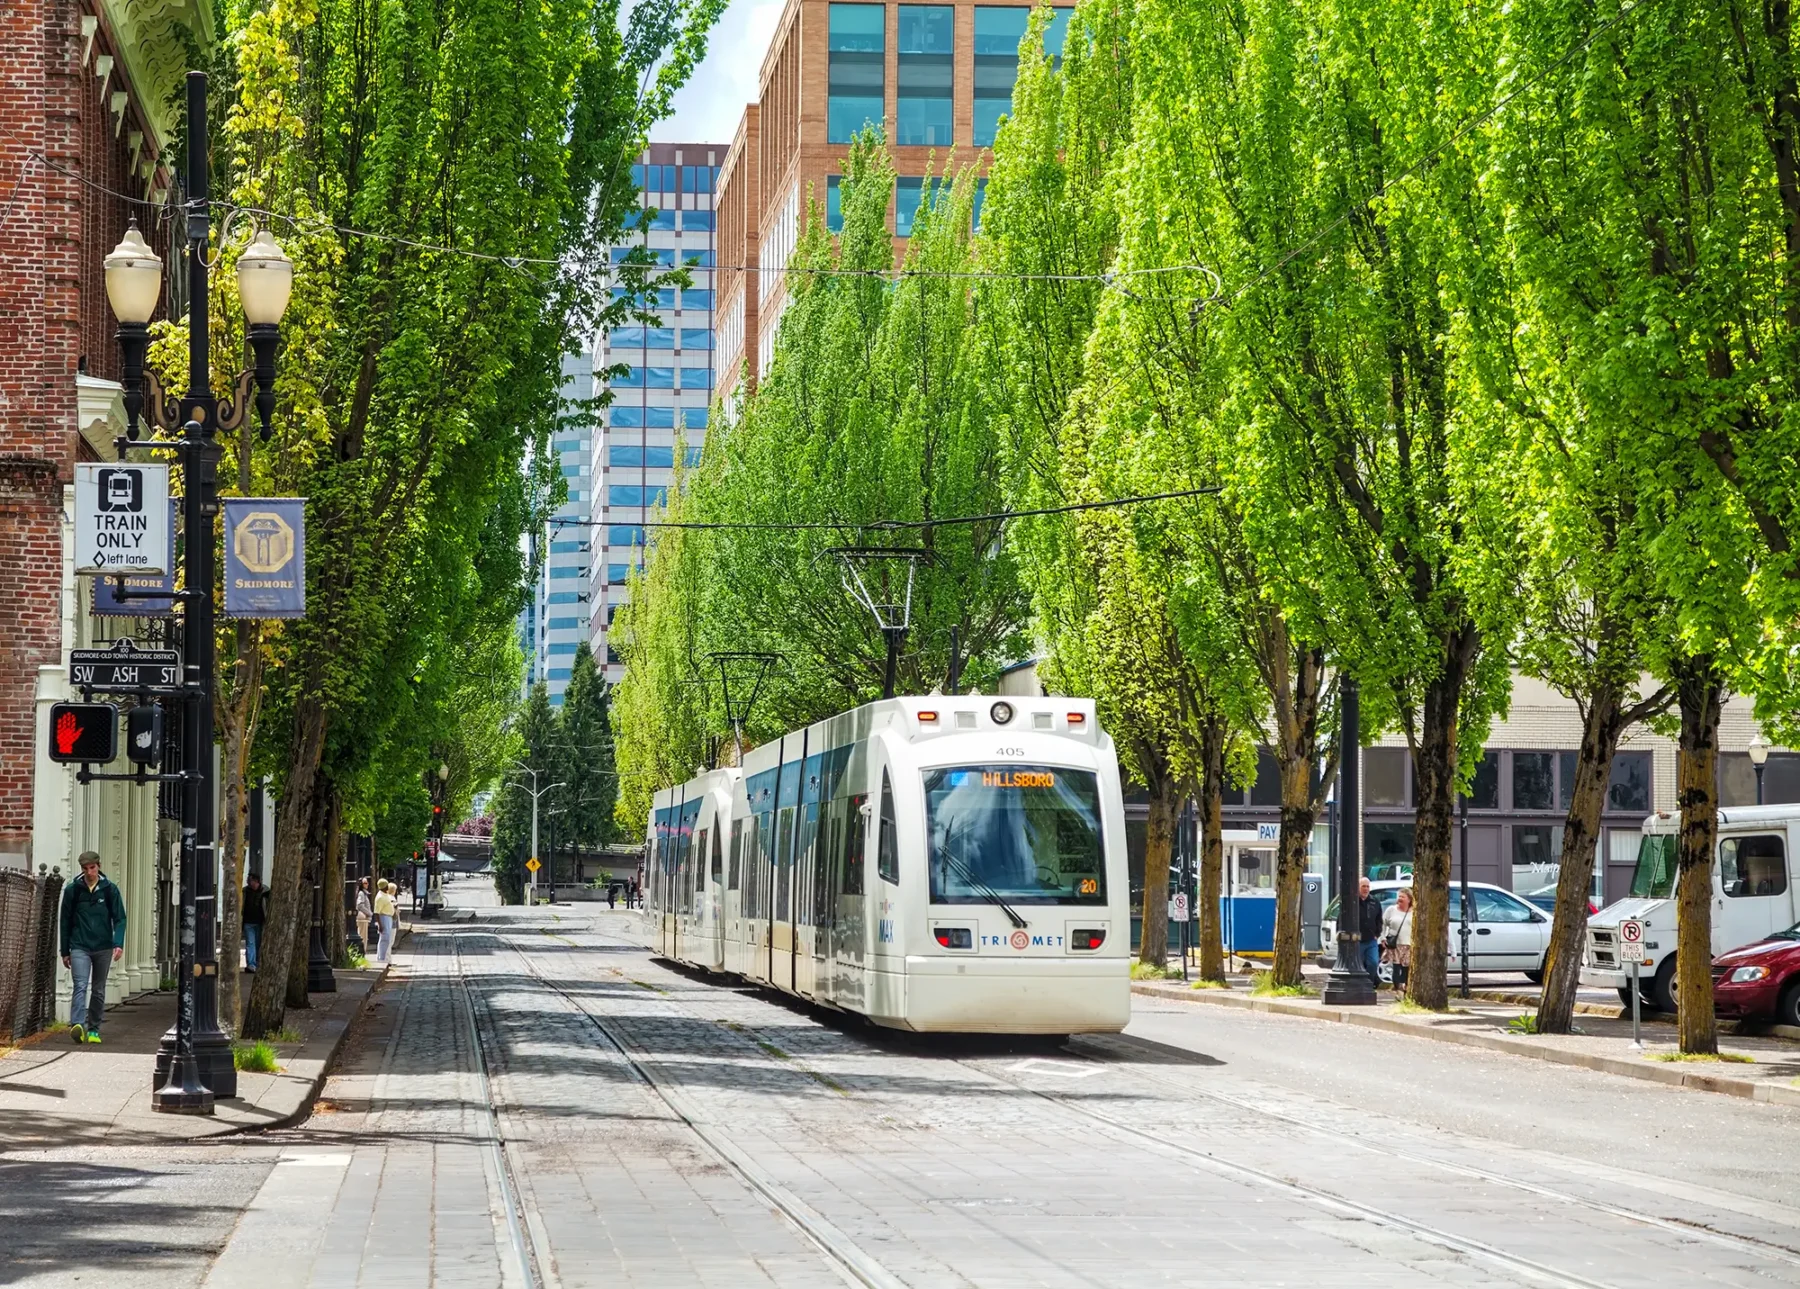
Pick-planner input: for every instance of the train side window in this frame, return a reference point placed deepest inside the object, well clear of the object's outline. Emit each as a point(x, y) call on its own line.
point(854, 827)
point(737, 855)
point(718, 860)
point(887, 853)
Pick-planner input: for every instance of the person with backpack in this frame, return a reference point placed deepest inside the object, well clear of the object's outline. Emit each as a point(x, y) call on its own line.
point(93, 938)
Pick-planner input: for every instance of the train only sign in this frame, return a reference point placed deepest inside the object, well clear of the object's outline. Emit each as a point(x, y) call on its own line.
point(123, 667)
point(122, 518)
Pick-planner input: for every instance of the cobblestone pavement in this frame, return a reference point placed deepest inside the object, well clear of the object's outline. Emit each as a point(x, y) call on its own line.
point(650, 1126)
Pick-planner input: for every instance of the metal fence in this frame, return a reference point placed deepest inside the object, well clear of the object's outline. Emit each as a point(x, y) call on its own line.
point(28, 909)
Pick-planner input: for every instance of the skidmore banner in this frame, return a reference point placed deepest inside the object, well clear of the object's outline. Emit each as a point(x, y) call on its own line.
point(265, 557)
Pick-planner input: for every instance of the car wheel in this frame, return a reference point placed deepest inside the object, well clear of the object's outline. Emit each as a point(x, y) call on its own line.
point(1787, 1011)
point(1660, 993)
point(1535, 977)
point(1625, 998)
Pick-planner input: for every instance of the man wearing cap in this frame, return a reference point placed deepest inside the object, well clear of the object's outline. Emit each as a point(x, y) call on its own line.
point(93, 938)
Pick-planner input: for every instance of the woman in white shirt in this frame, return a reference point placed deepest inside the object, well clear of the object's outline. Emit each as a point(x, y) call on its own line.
point(1396, 938)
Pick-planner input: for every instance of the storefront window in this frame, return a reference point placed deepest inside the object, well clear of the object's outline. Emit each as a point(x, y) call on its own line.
point(1534, 781)
point(1384, 776)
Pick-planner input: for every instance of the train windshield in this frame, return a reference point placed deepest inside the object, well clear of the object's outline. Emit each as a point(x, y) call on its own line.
point(1027, 834)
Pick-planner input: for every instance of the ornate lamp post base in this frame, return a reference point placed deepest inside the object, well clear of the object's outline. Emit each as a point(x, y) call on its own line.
point(183, 1093)
point(1347, 986)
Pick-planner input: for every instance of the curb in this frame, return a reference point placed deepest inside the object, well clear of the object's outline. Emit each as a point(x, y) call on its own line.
point(1750, 1090)
point(332, 1031)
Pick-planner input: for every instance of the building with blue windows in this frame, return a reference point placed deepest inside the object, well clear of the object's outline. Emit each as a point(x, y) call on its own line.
point(557, 618)
point(655, 423)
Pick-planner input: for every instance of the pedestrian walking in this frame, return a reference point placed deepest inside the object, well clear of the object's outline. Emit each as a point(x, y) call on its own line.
point(365, 909)
point(1396, 939)
point(1369, 915)
point(93, 938)
point(256, 912)
point(612, 895)
point(384, 915)
point(631, 896)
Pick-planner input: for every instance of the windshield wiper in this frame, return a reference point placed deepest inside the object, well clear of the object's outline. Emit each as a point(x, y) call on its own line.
point(982, 888)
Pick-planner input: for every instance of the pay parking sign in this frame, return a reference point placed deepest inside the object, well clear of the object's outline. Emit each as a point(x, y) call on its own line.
point(122, 518)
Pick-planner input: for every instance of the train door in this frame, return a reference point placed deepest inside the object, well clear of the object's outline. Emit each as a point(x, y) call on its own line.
point(698, 933)
point(734, 897)
point(718, 890)
point(827, 884)
point(804, 976)
point(781, 925)
point(850, 943)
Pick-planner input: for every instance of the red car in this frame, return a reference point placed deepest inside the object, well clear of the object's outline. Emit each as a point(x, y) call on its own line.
point(1760, 981)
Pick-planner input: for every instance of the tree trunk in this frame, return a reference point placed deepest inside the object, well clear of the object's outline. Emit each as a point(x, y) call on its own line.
point(1699, 691)
point(337, 943)
point(1434, 783)
point(312, 866)
point(1159, 838)
point(268, 994)
point(232, 829)
point(1211, 847)
point(1297, 751)
point(1581, 835)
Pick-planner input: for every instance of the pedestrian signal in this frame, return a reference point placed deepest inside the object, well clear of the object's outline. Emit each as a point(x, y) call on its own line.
point(144, 734)
point(84, 732)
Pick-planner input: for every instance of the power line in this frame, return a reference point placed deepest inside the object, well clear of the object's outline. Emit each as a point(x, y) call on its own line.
point(889, 525)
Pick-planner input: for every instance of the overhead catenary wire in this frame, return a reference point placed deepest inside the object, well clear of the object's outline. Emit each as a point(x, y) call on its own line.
point(886, 525)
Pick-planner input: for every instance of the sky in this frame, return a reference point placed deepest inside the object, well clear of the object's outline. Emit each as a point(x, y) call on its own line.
point(708, 108)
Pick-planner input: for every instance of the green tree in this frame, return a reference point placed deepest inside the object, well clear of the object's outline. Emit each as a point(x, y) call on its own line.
point(586, 756)
point(873, 410)
point(538, 733)
point(505, 138)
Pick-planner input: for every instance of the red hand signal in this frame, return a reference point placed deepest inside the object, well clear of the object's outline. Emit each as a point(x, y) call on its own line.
point(67, 731)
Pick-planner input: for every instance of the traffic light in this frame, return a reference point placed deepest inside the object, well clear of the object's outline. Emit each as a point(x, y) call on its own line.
point(84, 732)
point(144, 734)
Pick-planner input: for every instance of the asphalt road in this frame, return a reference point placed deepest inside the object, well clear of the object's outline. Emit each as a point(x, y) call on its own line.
point(536, 1100)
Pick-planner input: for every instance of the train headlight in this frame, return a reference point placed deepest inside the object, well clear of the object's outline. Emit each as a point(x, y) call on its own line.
point(1002, 713)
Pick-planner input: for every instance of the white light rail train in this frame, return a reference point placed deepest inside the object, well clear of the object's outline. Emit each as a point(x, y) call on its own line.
point(947, 863)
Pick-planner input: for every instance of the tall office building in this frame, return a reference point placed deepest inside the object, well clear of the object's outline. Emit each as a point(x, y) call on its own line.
point(935, 77)
point(664, 398)
point(557, 619)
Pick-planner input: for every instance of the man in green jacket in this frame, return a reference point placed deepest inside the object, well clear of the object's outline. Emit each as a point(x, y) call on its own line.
point(93, 938)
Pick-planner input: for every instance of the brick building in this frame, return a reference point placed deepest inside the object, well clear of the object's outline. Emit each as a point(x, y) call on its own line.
point(935, 77)
point(88, 95)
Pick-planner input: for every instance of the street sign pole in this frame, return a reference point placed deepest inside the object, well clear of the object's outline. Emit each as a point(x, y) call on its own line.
point(1631, 946)
point(1636, 1005)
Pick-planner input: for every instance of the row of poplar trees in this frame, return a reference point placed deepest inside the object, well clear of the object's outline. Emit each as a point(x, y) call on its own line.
point(440, 177)
point(1472, 328)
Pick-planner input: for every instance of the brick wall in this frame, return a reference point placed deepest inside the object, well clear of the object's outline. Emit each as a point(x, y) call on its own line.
point(61, 147)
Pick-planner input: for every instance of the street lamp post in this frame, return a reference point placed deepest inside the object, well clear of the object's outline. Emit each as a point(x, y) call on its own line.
point(1349, 983)
point(537, 795)
point(194, 1062)
point(1759, 757)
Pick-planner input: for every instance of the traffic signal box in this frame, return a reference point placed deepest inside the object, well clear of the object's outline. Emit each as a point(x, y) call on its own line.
point(84, 732)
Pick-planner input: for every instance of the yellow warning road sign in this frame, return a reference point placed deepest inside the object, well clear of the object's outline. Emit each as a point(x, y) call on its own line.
point(533, 864)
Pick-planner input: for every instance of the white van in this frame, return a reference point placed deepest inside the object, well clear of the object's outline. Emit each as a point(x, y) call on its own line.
point(1753, 895)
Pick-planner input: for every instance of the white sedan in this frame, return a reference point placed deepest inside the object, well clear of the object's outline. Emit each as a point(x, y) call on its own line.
point(1507, 933)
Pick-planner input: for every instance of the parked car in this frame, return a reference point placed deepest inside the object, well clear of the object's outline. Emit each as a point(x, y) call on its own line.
point(1545, 898)
point(1760, 981)
point(1509, 933)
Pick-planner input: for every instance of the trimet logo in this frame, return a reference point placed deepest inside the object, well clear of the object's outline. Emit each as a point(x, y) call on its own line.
point(1020, 940)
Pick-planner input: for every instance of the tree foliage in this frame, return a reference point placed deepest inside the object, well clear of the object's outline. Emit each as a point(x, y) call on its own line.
point(420, 379)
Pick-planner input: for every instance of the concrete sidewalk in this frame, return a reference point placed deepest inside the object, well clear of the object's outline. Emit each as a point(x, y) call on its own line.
point(54, 1092)
point(1772, 1071)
